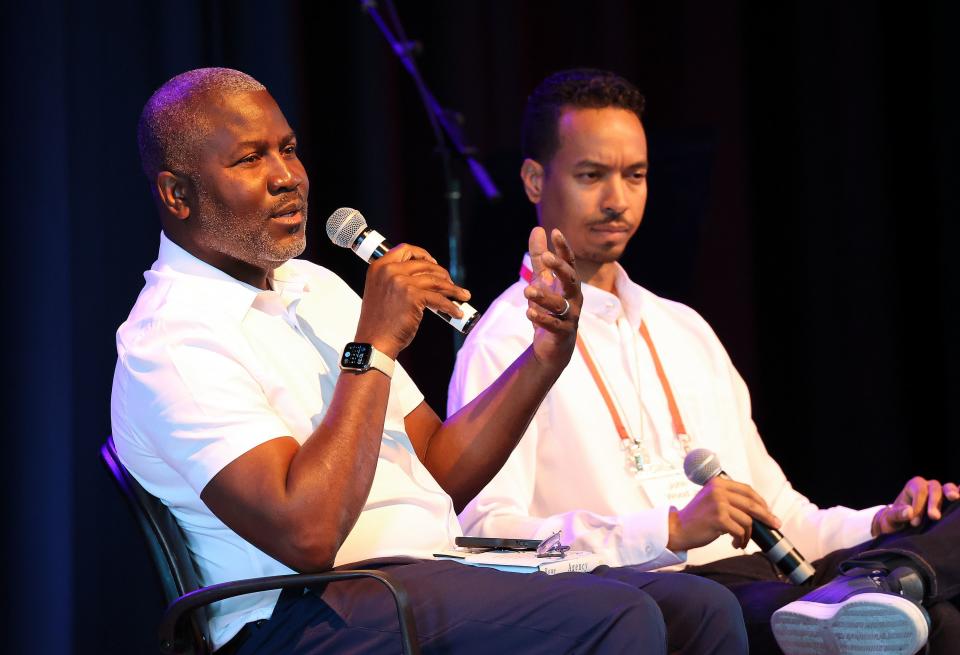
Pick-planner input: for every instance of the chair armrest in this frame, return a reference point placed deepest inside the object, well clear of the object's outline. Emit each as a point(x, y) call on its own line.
point(206, 595)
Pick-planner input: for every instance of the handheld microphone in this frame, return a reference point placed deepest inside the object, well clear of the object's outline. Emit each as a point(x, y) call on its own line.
point(702, 465)
point(348, 228)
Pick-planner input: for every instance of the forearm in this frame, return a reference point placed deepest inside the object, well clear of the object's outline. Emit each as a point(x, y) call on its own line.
point(816, 532)
point(299, 502)
point(330, 477)
point(473, 444)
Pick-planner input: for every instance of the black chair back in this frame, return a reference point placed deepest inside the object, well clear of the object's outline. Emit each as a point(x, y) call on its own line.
point(166, 544)
point(184, 628)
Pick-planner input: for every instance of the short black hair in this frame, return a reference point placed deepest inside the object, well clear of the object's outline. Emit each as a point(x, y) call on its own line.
point(171, 124)
point(581, 88)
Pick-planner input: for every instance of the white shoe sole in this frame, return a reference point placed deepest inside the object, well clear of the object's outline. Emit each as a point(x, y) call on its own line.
point(866, 623)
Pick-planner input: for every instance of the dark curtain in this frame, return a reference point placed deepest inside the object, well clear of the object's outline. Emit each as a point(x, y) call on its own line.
point(803, 199)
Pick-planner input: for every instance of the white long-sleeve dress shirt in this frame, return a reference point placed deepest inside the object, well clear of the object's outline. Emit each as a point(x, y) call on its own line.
point(569, 471)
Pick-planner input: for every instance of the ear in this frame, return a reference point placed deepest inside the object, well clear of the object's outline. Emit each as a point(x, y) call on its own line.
point(175, 194)
point(531, 172)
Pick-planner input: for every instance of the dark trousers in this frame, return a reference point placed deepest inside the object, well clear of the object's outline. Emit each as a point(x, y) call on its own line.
point(462, 609)
point(933, 548)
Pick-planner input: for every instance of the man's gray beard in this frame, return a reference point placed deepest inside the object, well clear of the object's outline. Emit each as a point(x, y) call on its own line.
point(222, 230)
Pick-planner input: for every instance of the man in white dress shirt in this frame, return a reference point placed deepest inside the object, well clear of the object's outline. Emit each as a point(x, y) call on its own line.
point(230, 405)
point(603, 456)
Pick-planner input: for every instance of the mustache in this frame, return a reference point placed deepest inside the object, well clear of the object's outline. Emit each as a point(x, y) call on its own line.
point(288, 200)
point(613, 220)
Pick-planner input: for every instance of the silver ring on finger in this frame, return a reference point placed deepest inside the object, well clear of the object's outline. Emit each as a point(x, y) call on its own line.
point(566, 309)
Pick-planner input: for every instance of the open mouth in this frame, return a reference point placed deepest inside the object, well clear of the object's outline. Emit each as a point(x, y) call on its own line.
point(292, 213)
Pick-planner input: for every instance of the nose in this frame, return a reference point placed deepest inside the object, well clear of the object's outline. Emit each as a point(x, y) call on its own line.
point(285, 175)
point(615, 196)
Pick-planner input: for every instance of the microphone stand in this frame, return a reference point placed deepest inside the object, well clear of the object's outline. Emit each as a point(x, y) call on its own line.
point(442, 122)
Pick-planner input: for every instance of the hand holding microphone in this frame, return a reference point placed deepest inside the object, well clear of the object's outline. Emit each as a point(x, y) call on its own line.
point(400, 284)
point(348, 228)
point(725, 506)
point(721, 507)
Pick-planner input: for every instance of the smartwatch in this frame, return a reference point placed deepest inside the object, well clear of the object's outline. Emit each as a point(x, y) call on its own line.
point(362, 357)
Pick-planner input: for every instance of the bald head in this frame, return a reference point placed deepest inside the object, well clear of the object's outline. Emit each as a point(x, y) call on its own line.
point(173, 122)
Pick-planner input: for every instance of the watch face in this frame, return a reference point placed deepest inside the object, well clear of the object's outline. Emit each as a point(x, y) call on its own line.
point(356, 355)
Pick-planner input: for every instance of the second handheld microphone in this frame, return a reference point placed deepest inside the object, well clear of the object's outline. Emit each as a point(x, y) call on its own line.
point(700, 466)
point(348, 228)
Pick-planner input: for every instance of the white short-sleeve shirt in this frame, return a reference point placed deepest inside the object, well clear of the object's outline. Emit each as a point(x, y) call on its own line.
point(209, 367)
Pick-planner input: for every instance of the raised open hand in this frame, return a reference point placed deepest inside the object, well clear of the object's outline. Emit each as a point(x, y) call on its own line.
point(553, 298)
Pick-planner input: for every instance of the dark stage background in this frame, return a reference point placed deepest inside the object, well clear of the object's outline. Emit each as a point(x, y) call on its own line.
point(803, 199)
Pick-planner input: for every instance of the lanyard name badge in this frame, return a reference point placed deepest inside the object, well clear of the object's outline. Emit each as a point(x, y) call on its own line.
point(664, 487)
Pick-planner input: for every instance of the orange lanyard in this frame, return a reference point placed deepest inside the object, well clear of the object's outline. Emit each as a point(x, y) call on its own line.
point(678, 425)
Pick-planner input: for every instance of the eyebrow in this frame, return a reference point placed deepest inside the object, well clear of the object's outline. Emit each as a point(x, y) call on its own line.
point(590, 163)
point(260, 143)
point(248, 145)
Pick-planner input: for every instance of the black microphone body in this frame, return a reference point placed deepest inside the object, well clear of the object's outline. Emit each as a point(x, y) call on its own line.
point(347, 228)
point(382, 248)
point(702, 465)
point(778, 549)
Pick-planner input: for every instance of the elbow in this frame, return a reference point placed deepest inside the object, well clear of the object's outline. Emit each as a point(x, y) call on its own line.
point(311, 549)
point(462, 497)
point(308, 564)
point(460, 504)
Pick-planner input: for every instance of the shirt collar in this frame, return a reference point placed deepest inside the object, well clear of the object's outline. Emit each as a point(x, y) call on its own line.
point(606, 306)
point(232, 295)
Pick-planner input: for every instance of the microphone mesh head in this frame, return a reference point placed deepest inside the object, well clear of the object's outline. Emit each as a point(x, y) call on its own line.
point(700, 465)
point(345, 225)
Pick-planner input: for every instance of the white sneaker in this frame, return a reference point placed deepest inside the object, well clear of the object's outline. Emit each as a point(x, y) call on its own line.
point(852, 615)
